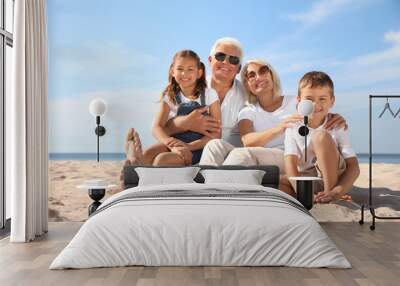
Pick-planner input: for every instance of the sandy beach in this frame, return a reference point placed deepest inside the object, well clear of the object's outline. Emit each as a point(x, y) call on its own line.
point(68, 203)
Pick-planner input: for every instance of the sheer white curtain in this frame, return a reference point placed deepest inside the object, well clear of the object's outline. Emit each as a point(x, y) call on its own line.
point(27, 158)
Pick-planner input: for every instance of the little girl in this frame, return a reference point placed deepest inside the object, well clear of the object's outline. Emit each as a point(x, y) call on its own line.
point(186, 91)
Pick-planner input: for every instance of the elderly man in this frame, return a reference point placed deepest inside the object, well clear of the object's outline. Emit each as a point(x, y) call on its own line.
point(225, 61)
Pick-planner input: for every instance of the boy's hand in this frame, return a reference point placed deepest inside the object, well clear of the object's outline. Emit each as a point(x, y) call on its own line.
point(329, 196)
point(335, 121)
point(184, 152)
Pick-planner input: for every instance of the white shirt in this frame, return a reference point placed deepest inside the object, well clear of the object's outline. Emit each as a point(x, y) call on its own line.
point(233, 102)
point(294, 144)
point(210, 97)
point(263, 120)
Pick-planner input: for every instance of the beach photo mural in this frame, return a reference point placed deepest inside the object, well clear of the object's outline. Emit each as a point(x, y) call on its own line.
point(121, 51)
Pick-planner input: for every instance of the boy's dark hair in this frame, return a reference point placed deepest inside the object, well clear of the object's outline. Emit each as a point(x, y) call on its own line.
point(173, 88)
point(316, 79)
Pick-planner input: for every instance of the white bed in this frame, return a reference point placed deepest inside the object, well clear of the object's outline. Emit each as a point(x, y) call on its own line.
point(201, 224)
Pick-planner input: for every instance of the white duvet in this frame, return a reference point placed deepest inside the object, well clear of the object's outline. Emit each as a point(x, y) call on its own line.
point(183, 231)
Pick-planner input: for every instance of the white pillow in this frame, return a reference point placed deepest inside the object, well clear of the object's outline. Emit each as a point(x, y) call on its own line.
point(249, 177)
point(166, 176)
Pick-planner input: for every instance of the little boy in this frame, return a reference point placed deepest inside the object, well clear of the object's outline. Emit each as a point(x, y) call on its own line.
point(329, 154)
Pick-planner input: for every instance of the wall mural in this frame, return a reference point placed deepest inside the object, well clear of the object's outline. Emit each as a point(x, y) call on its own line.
point(120, 53)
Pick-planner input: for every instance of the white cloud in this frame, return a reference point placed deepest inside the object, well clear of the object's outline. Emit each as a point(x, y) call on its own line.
point(319, 11)
point(367, 70)
point(387, 55)
point(393, 36)
point(375, 67)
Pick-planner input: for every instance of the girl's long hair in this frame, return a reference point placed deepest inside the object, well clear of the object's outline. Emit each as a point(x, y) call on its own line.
point(173, 88)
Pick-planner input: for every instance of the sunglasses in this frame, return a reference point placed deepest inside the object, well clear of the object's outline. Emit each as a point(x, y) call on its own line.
point(233, 60)
point(262, 71)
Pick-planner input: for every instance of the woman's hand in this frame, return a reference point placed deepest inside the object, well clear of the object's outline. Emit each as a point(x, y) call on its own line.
point(288, 121)
point(335, 121)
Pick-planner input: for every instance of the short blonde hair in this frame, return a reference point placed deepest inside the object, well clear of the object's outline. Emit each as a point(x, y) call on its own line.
point(315, 79)
point(277, 90)
point(227, 41)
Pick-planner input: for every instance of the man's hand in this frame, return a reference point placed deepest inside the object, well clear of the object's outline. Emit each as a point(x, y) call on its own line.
point(171, 142)
point(184, 152)
point(203, 124)
point(335, 121)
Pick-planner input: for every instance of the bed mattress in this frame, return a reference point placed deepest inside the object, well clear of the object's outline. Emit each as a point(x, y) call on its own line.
point(201, 225)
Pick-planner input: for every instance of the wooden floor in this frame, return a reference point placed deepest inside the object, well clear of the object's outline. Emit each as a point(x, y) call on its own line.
point(375, 256)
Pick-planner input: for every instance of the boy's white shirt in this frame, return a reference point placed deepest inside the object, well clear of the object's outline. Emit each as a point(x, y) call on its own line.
point(233, 102)
point(263, 120)
point(209, 94)
point(294, 144)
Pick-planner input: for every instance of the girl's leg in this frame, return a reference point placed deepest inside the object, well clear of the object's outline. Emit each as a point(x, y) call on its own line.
point(121, 176)
point(133, 147)
point(327, 158)
point(150, 154)
point(128, 138)
point(169, 159)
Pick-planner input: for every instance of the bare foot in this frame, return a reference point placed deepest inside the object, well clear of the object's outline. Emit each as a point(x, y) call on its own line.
point(128, 138)
point(135, 153)
point(138, 145)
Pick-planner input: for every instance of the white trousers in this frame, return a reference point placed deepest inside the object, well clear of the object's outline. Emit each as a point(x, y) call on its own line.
point(215, 152)
point(219, 152)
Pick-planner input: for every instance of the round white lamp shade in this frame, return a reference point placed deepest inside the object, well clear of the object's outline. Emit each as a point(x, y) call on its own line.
point(97, 107)
point(305, 107)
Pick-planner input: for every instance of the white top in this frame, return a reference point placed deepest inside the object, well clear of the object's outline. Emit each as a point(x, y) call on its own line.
point(210, 97)
point(234, 101)
point(294, 144)
point(263, 120)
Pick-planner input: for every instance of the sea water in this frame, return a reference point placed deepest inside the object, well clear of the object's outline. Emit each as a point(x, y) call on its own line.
point(362, 158)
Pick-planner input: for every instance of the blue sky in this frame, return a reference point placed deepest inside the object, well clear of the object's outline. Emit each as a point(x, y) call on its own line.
point(120, 51)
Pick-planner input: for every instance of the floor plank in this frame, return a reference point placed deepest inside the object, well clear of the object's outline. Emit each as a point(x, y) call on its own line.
point(374, 255)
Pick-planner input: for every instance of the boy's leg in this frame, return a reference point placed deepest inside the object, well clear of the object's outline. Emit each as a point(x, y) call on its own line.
point(327, 158)
point(215, 152)
point(168, 159)
point(286, 186)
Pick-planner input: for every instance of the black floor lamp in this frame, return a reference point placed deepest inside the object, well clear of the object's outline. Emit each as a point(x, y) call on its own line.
point(304, 185)
point(97, 108)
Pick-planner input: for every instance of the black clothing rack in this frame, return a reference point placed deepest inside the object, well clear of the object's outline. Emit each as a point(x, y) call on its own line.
point(370, 203)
